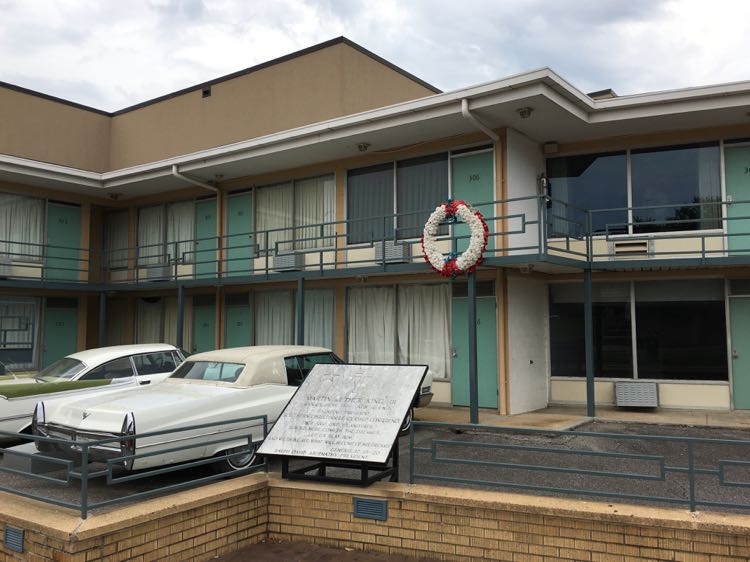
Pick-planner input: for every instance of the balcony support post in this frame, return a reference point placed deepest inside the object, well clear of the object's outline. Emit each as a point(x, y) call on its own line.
point(301, 310)
point(102, 318)
point(180, 315)
point(473, 376)
point(588, 322)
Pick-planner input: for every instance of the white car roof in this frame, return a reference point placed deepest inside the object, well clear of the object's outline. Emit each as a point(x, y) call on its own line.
point(100, 355)
point(263, 363)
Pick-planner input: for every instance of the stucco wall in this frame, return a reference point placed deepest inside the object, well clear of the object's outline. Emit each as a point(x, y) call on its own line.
point(525, 162)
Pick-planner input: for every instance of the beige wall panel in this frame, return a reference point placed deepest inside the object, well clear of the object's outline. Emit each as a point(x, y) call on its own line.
point(315, 87)
point(441, 391)
point(710, 396)
point(574, 392)
point(49, 131)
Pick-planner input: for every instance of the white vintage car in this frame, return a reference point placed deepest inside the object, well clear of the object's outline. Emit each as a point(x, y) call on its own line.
point(212, 389)
point(90, 372)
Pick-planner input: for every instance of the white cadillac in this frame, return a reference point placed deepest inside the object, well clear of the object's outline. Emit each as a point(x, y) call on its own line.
point(212, 389)
point(90, 372)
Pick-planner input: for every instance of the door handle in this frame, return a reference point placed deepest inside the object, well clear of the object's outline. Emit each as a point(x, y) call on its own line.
point(454, 353)
point(735, 355)
point(145, 382)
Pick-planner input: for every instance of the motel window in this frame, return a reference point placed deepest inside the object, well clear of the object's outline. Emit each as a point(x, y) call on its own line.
point(293, 214)
point(594, 182)
point(369, 204)
point(613, 350)
point(21, 227)
point(19, 321)
point(408, 324)
point(275, 317)
point(166, 233)
point(116, 239)
point(421, 184)
point(676, 188)
point(679, 330)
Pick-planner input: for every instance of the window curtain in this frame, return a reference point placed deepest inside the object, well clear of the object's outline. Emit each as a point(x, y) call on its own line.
point(116, 239)
point(372, 325)
point(274, 204)
point(181, 231)
point(21, 227)
point(18, 332)
point(314, 204)
point(422, 184)
point(148, 321)
point(274, 312)
point(151, 236)
point(170, 322)
point(319, 307)
point(369, 204)
point(116, 309)
point(424, 327)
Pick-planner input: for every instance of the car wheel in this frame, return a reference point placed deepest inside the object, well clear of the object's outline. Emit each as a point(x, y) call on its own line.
point(237, 461)
point(406, 424)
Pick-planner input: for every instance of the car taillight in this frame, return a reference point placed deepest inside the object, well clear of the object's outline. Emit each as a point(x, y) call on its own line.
point(38, 420)
point(127, 445)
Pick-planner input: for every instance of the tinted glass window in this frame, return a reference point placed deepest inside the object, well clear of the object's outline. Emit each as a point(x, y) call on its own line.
point(369, 202)
point(117, 369)
point(298, 367)
point(208, 371)
point(154, 363)
point(590, 182)
point(64, 368)
point(676, 188)
point(422, 184)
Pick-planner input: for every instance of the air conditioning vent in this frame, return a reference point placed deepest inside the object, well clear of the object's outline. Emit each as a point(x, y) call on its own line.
point(637, 394)
point(158, 272)
point(631, 249)
point(395, 252)
point(290, 261)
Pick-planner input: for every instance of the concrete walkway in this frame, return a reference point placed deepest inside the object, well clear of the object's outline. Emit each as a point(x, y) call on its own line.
point(563, 418)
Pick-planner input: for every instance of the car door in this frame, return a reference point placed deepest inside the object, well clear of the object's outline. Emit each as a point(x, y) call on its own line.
point(154, 367)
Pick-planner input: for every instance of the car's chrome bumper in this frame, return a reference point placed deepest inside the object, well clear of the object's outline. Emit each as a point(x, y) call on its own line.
point(70, 442)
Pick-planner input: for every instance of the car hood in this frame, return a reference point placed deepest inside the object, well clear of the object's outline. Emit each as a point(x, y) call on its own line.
point(154, 408)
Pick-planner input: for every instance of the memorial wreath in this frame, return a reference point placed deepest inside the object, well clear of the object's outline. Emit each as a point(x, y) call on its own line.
point(454, 264)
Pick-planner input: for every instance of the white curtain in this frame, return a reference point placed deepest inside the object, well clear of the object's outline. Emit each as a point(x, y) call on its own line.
point(319, 318)
point(116, 313)
point(18, 331)
point(274, 210)
point(424, 327)
point(372, 325)
point(151, 236)
point(116, 239)
point(314, 204)
point(181, 231)
point(148, 321)
point(170, 322)
point(21, 227)
point(274, 313)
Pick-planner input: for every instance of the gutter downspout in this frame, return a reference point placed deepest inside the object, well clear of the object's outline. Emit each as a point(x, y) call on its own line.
point(477, 123)
point(204, 185)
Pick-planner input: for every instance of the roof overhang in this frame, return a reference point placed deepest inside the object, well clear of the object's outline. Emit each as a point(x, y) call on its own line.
point(560, 112)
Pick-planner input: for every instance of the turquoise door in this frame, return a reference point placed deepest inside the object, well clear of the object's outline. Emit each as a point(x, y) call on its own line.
point(486, 352)
point(64, 241)
point(204, 328)
point(737, 171)
point(205, 234)
point(739, 312)
point(60, 332)
point(239, 234)
point(237, 326)
point(473, 180)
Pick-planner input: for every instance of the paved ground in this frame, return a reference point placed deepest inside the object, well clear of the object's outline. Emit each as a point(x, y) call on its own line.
point(304, 552)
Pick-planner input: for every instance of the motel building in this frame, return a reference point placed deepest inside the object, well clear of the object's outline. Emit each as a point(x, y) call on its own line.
point(284, 204)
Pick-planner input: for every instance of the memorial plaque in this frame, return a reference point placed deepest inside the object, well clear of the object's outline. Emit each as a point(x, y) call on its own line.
point(346, 412)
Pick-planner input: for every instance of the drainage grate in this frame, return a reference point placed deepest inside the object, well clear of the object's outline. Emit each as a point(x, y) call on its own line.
point(13, 539)
point(370, 509)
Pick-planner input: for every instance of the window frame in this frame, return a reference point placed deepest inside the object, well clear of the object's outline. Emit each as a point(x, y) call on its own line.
point(128, 358)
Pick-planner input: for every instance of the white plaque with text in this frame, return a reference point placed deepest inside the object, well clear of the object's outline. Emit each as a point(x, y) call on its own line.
point(346, 412)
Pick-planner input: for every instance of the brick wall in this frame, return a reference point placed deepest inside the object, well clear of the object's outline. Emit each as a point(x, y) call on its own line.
point(423, 521)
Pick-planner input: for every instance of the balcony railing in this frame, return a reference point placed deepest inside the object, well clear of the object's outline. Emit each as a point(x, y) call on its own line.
point(522, 230)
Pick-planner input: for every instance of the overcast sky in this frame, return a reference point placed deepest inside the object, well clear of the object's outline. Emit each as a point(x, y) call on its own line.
point(110, 54)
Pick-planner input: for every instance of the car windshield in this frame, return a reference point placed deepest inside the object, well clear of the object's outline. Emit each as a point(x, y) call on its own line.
point(208, 371)
point(62, 369)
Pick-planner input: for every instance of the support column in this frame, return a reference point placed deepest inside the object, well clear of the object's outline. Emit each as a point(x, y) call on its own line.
point(588, 321)
point(102, 318)
point(180, 315)
point(473, 376)
point(300, 311)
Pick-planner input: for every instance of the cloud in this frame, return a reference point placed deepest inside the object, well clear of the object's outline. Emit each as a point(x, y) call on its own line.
point(114, 54)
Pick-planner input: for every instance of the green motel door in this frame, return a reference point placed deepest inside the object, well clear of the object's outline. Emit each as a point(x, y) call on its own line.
point(64, 241)
point(473, 180)
point(240, 242)
point(238, 320)
point(59, 329)
point(205, 234)
point(204, 324)
point(737, 172)
point(486, 351)
point(739, 324)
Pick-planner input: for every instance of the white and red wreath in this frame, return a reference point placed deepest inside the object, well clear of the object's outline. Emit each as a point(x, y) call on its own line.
point(454, 265)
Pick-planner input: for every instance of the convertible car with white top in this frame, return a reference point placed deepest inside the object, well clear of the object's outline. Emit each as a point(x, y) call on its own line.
point(200, 411)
